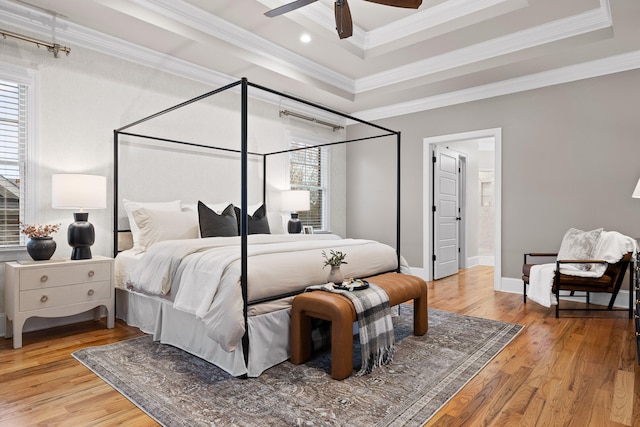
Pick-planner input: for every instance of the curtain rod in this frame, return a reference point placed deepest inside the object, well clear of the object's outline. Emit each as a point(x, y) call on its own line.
point(51, 47)
point(311, 119)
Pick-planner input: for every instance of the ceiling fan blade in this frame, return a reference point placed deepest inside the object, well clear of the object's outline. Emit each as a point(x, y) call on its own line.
point(288, 7)
point(344, 24)
point(409, 4)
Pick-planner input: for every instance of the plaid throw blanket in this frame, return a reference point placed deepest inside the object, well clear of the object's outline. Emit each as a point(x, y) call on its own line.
point(374, 323)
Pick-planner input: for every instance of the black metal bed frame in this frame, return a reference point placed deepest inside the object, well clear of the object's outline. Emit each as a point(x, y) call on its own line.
point(244, 155)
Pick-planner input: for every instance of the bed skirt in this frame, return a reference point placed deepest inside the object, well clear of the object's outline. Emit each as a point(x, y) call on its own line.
point(269, 342)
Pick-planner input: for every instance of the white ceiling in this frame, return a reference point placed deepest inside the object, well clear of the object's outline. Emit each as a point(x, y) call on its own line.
point(398, 60)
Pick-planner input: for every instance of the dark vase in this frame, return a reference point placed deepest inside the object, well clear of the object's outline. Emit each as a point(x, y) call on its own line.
point(41, 248)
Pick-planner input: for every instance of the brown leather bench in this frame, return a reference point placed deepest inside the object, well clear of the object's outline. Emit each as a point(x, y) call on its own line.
point(340, 312)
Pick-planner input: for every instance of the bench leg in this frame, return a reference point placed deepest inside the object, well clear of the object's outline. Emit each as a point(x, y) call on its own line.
point(341, 348)
point(420, 321)
point(300, 337)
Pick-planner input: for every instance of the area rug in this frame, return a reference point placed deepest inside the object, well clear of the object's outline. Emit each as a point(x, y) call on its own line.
point(178, 389)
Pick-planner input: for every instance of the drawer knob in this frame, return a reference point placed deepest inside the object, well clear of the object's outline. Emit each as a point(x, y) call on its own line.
point(91, 292)
point(91, 273)
point(44, 298)
point(44, 278)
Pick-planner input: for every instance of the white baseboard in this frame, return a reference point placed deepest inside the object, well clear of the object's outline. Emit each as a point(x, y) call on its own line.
point(511, 285)
point(420, 272)
point(473, 261)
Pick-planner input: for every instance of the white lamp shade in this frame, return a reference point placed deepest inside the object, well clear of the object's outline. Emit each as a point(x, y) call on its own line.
point(295, 200)
point(636, 192)
point(78, 191)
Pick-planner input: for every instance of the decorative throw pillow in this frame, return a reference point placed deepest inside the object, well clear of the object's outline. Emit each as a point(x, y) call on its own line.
point(157, 226)
point(257, 223)
point(130, 206)
point(214, 225)
point(579, 245)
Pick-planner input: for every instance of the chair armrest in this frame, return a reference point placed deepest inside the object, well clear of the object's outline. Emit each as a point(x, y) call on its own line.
point(530, 255)
point(581, 261)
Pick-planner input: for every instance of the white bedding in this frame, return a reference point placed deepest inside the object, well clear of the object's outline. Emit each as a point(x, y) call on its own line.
point(203, 274)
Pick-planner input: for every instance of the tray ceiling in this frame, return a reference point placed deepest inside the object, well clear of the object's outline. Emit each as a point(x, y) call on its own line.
point(398, 60)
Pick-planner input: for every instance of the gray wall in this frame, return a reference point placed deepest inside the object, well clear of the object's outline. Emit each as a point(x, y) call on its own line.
point(570, 158)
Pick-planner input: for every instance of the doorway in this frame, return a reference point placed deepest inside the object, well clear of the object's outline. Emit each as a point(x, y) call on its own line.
point(458, 141)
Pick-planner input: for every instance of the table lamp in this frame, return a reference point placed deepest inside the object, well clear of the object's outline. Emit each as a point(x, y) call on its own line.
point(78, 191)
point(295, 201)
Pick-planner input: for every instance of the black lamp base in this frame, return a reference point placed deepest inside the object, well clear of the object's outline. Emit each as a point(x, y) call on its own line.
point(82, 252)
point(294, 226)
point(81, 236)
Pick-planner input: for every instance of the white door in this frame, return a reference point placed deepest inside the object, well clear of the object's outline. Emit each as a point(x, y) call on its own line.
point(445, 212)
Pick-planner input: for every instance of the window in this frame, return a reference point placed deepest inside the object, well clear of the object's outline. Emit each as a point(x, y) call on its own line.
point(308, 171)
point(15, 110)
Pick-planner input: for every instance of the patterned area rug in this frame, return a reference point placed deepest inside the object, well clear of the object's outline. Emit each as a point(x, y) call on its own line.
point(178, 389)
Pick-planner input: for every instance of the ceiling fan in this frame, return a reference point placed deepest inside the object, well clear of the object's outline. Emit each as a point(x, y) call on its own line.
point(344, 24)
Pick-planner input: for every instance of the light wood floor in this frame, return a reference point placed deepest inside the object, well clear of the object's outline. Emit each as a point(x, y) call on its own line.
point(570, 371)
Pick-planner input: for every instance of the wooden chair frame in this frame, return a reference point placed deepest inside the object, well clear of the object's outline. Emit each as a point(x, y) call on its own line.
point(563, 282)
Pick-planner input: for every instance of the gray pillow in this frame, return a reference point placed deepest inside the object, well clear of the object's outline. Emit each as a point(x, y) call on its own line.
point(214, 225)
point(257, 223)
point(579, 245)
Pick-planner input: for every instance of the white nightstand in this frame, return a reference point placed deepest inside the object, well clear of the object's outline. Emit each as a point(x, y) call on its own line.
point(56, 289)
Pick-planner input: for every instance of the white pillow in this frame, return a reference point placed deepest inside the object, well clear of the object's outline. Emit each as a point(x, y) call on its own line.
point(157, 226)
point(130, 206)
point(216, 207)
point(578, 245)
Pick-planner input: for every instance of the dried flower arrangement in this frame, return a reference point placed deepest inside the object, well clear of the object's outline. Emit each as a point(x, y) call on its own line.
point(334, 259)
point(39, 231)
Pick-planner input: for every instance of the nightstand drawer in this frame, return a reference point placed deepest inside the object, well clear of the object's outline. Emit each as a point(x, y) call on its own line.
point(37, 299)
point(49, 276)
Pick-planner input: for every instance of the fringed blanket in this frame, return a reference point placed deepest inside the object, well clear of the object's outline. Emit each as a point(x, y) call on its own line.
point(374, 322)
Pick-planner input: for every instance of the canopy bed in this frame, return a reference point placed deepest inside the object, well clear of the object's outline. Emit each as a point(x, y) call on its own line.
point(225, 296)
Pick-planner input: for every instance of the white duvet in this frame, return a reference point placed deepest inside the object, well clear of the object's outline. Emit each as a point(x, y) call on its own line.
point(206, 273)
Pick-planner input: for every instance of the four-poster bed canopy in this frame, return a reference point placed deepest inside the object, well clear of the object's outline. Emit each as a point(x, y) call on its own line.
point(245, 154)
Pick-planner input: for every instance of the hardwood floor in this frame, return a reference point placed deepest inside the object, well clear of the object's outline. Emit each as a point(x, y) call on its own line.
point(579, 371)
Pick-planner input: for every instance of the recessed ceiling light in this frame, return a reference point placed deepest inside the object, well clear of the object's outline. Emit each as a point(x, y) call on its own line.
point(305, 38)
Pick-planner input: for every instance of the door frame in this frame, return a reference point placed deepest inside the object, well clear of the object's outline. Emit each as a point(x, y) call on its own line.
point(427, 197)
point(462, 201)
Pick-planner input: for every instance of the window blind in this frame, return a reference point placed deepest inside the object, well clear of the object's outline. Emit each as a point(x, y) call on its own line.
point(308, 171)
point(13, 136)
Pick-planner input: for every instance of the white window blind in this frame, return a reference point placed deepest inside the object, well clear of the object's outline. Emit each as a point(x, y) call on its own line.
point(13, 136)
point(308, 171)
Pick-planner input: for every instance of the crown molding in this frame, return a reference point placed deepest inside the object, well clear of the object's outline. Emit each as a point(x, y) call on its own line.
point(554, 31)
point(600, 67)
